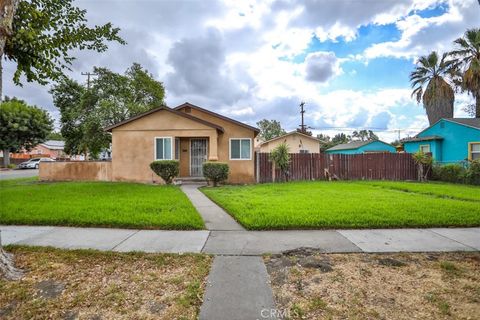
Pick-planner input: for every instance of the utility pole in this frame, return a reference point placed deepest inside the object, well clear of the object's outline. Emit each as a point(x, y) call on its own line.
point(88, 74)
point(303, 128)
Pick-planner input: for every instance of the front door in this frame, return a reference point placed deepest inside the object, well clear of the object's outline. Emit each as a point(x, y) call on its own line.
point(198, 155)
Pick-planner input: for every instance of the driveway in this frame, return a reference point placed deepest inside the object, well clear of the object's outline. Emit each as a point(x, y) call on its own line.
point(13, 174)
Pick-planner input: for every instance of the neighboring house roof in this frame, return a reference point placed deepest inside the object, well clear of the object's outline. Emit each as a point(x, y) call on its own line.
point(426, 138)
point(165, 108)
point(289, 134)
point(353, 145)
point(471, 122)
point(54, 144)
point(187, 104)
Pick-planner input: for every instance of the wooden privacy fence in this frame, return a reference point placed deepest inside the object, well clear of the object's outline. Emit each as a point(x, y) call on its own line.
point(316, 166)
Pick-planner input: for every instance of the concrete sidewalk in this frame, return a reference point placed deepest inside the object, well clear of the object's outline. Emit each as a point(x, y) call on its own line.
point(246, 242)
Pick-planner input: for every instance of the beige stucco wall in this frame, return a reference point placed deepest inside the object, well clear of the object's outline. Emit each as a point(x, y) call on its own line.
point(241, 171)
point(81, 170)
point(133, 146)
point(295, 142)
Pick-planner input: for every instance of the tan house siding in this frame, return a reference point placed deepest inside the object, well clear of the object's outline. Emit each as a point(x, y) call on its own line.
point(133, 148)
point(241, 171)
point(76, 170)
point(295, 142)
point(133, 145)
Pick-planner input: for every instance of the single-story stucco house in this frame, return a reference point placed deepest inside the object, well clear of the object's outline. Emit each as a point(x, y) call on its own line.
point(188, 133)
point(297, 143)
point(450, 140)
point(358, 147)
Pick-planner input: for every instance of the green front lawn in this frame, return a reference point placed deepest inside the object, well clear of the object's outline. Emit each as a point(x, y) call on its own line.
point(304, 205)
point(443, 190)
point(99, 204)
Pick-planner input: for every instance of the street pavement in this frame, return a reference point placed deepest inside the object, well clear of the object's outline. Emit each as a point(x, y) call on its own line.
point(14, 174)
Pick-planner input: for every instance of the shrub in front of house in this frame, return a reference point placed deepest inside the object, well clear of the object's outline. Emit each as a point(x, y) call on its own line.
point(454, 173)
point(165, 169)
point(472, 175)
point(215, 172)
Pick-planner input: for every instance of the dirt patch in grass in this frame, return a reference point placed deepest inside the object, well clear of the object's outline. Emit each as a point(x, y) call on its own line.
point(84, 284)
point(377, 286)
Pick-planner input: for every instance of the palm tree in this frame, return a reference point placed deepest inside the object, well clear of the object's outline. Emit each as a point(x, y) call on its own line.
point(438, 96)
point(467, 58)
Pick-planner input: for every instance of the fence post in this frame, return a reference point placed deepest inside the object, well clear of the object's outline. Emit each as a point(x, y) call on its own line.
point(257, 167)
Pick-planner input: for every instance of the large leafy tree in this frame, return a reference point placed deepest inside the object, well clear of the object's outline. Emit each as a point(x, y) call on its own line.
point(364, 135)
point(39, 36)
point(467, 58)
point(21, 127)
point(270, 129)
point(112, 98)
point(431, 84)
point(326, 142)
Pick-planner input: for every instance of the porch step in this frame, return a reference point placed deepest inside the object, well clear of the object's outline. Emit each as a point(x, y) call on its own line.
point(190, 180)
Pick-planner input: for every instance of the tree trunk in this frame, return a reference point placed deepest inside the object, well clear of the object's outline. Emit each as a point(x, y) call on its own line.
point(6, 157)
point(438, 109)
point(7, 268)
point(420, 172)
point(7, 12)
point(477, 105)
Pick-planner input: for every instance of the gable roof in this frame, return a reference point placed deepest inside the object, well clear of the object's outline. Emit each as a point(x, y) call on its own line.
point(289, 134)
point(54, 144)
point(353, 145)
point(165, 108)
point(469, 122)
point(188, 104)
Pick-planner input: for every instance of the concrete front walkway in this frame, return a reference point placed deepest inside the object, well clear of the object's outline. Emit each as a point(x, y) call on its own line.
point(238, 288)
point(215, 218)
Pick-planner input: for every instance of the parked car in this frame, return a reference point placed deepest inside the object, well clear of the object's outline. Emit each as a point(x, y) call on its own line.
point(33, 163)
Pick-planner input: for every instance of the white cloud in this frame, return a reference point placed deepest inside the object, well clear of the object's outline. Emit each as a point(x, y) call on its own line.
point(238, 57)
point(422, 35)
point(321, 66)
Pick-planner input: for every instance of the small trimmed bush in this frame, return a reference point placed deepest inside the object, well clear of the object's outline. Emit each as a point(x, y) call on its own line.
point(165, 169)
point(454, 173)
point(472, 175)
point(215, 172)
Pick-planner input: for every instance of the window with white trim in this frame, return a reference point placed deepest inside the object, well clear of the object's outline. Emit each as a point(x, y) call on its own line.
point(240, 149)
point(163, 148)
point(474, 150)
point(425, 148)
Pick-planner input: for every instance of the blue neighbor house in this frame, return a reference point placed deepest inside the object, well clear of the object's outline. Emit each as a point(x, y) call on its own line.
point(450, 140)
point(358, 147)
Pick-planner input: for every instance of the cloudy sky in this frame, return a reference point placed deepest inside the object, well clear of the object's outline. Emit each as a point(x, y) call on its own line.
point(348, 60)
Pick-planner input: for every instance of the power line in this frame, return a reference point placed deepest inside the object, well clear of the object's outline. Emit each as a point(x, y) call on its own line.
point(365, 128)
point(88, 74)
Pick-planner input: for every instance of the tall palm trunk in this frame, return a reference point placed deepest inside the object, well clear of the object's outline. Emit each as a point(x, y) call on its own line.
point(477, 105)
point(438, 109)
point(438, 100)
